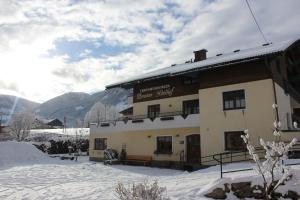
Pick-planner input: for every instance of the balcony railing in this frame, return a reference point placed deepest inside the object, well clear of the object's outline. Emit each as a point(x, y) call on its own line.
point(160, 115)
point(176, 119)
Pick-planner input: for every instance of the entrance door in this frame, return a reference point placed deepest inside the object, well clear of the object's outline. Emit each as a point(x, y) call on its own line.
point(193, 148)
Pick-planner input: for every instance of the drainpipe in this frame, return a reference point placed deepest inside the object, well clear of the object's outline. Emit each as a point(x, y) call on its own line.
point(275, 100)
point(274, 89)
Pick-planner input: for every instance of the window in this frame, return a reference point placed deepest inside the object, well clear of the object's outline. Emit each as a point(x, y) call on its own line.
point(164, 145)
point(296, 115)
point(234, 100)
point(190, 107)
point(153, 111)
point(100, 143)
point(190, 80)
point(233, 141)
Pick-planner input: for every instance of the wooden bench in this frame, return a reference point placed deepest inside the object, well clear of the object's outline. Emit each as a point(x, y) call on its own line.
point(138, 160)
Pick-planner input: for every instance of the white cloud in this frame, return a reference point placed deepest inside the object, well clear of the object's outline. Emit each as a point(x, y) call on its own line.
point(164, 32)
point(85, 53)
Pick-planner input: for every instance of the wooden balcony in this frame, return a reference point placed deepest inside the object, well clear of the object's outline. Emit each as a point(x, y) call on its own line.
point(143, 122)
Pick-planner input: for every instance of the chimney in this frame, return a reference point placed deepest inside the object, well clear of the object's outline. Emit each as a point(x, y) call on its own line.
point(200, 55)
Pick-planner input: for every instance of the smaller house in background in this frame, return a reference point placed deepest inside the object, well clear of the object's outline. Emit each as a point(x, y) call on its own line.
point(127, 113)
point(4, 133)
point(47, 124)
point(55, 123)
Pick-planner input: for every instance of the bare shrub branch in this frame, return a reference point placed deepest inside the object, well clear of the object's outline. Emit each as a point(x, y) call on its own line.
point(272, 169)
point(141, 191)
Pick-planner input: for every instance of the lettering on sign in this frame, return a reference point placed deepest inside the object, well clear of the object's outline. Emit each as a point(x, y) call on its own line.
point(155, 92)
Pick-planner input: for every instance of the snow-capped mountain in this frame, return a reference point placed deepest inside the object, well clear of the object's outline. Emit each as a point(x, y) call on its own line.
point(12, 104)
point(61, 104)
point(73, 105)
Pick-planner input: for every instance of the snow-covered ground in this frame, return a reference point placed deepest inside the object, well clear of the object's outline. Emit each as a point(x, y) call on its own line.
point(68, 131)
point(60, 134)
point(55, 179)
point(14, 153)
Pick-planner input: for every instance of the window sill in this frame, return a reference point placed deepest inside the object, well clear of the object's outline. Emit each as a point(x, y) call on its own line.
point(291, 130)
point(162, 153)
point(235, 150)
point(234, 109)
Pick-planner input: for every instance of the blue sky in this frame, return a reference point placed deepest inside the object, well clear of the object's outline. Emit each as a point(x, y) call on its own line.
point(49, 47)
point(79, 50)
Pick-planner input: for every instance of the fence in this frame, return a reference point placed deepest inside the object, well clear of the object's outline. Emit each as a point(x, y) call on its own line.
point(231, 157)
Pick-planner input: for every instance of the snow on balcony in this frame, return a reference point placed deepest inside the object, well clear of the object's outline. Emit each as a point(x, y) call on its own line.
point(177, 121)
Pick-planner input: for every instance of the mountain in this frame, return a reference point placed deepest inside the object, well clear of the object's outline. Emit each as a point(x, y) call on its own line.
point(61, 104)
point(12, 104)
point(75, 105)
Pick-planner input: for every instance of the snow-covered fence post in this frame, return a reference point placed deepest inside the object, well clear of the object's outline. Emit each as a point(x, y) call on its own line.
point(272, 170)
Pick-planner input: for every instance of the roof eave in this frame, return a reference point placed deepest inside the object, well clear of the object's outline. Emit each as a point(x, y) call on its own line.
point(202, 68)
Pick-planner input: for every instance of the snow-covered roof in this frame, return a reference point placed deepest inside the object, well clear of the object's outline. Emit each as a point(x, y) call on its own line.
point(46, 121)
point(216, 60)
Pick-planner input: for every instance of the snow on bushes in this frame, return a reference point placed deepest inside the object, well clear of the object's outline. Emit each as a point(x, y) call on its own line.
point(141, 191)
point(63, 147)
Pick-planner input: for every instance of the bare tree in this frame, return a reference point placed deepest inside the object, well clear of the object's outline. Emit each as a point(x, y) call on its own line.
point(100, 112)
point(2, 116)
point(20, 125)
point(79, 130)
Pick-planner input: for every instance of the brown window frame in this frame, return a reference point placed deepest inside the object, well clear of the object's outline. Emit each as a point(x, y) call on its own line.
point(153, 114)
point(190, 107)
point(165, 148)
point(227, 134)
point(234, 97)
point(100, 143)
